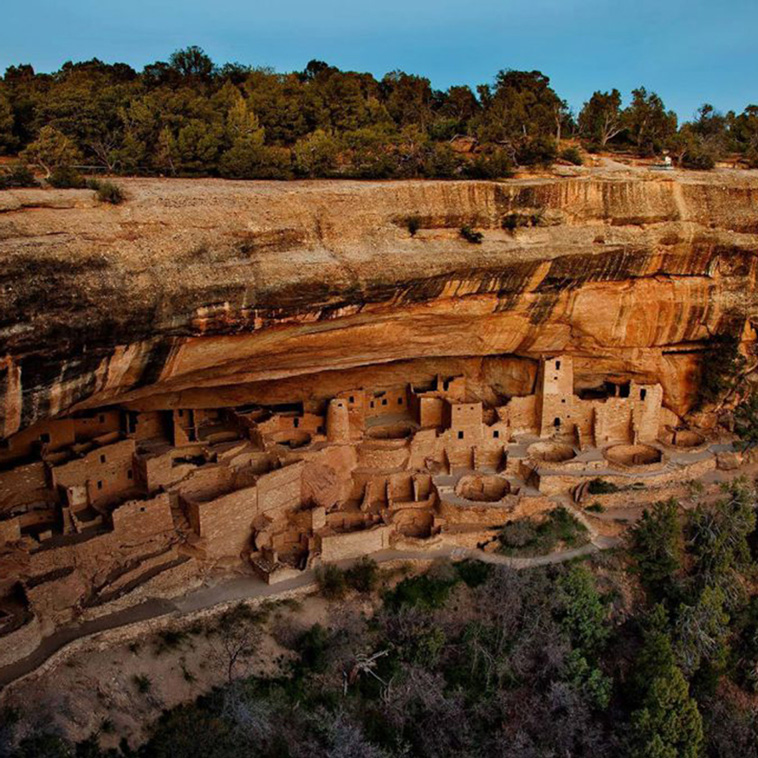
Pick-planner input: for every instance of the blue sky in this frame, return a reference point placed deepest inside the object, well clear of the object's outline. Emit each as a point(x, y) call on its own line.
point(689, 51)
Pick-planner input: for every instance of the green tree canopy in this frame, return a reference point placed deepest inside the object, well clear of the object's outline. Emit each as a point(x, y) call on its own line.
point(52, 149)
point(657, 548)
point(649, 124)
point(399, 126)
point(667, 723)
point(600, 120)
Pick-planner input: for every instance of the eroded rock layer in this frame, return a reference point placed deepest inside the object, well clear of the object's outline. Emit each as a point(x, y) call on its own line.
point(266, 290)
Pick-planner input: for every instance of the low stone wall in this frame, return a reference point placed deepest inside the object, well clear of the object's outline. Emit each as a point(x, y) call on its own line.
point(20, 643)
point(550, 453)
point(383, 455)
point(139, 630)
point(338, 547)
point(560, 484)
point(174, 581)
point(493, 514)
point(635, 458)
point(480, 513)
point(683, 441)
point(405, 542)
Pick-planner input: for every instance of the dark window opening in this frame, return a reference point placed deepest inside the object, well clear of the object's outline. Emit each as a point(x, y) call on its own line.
point(319, 430)
point(496, 434)
point(556, 422)
point(181, 413)
point(99, 485)
point(460, 435)
point(400, 401)
point(624, 390)
point(351, 399)
point(384, 402)
point(445, 385)
point(44, 438)
point(129, 474)
point(563, 400)
point(643, 394)
point(558, 365)
point(372, 403)
point(296, 423)
point(142, 509)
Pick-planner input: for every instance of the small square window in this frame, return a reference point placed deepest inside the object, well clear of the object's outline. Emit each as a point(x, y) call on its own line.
point(400, 401)
point(99, 485)
point(496, 434)
point(372, 403)
point(384, 402)
point(102, 459)
point(460, 435)
point(44, 438)
point(351, 399)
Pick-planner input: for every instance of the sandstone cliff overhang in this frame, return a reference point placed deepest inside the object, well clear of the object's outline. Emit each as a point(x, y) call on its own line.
point(205, 283)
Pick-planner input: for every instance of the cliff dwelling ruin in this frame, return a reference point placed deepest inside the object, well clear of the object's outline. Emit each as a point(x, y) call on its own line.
point(96, 507)
point(264, 378)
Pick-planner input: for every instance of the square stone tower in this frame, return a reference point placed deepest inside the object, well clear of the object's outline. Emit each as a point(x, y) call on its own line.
point(556, 395)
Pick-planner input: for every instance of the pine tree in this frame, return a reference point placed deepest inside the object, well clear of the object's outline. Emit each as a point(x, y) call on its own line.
point(245, 136)
point(667, 724)
point(52, 149)
point(656, 543)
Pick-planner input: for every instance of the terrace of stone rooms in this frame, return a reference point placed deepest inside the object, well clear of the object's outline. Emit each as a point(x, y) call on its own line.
point(99, 511)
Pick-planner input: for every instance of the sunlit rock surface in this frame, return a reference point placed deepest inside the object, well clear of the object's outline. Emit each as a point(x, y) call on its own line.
point(267, 291)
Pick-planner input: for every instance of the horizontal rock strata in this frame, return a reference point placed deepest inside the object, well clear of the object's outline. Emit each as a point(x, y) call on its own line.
point(248, 287)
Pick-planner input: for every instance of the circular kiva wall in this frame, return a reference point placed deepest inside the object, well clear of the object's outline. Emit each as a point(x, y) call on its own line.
point(399, 431)
point(551, 452)
point(482, 489)
point(683, 439)
point(631, 456)
point(293, 439)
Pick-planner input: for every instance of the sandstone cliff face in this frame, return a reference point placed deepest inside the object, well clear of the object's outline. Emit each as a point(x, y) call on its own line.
point(260, 290)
